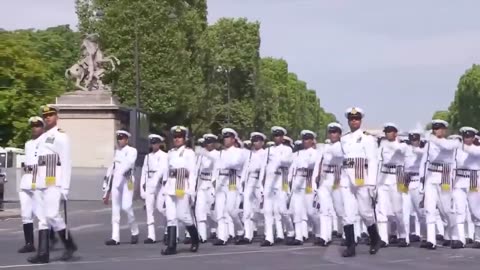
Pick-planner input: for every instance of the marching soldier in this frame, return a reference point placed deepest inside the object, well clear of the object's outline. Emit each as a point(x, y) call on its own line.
point(28, 183)
point(466, 174)
point(205, 191)
point(275, 200)
point(154, 172)
point(52, 184)
point(473, 197)
point(227, 177)
point(413, 158)
point(436, 167)
point(252, 193)
point(301, 172)
point(328, 171)
point(358, 181)
point(392, 189)
point(179, 190)
point(121, 188)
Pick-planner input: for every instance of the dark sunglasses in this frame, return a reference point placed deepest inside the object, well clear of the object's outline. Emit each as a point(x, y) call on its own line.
point(356, 118)
point(121, 137)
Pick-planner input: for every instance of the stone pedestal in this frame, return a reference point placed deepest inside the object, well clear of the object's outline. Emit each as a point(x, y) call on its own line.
point(90, 119)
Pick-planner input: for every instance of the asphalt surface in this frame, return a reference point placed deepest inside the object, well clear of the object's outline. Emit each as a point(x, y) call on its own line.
point(89, 223)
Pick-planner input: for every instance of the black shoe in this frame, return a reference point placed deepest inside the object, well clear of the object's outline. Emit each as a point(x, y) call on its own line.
point(334, 234)
point(187, 241)
point(457, 244)
point(295, 242)
point(349, 241)
point(279, 240)
point(28, 234)
point(149, 241)
point(402, 242)
point(134, 239)
point(392, 239)
point(439, 237)
point(447, 243)
point(266, 243)
point(423, 244)
point(172, 241)
point(255, 234)
point(219, 242)
point(70, 246)
point(476, 244)
point(243, 241)
point(319, 242)
point(414, 238)
point(43, 254)
point(213, 236)
point(289, 239)
point(194, 238)
point(375, 242)
point(469, 241)
point(430, 246)
point(112, 242)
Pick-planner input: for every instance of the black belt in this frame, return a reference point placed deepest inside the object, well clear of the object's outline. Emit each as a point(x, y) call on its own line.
point(351, 162)
point(412, 174)
point(437, 167)
point(281, 170)
point(229, 172)
point(389, 169)
point(466, 173)
point(303, 172)
point(174, 173)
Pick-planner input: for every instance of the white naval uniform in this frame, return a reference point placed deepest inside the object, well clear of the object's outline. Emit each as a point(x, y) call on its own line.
point(437, 167)
point(392, 190)
point(279, 158)
point(179, 189)
point(464, 193)
point(413, 158)
point(122, 189)
point(205, 190)
point(154, 172)
point(252, 170)
point(227, 177)
point(328, 168)
point(53, 177)
point(303, 186)
point(28, 191)
point(357, 182)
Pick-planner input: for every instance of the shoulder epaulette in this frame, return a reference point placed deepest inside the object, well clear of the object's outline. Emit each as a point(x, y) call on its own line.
point(61, 130)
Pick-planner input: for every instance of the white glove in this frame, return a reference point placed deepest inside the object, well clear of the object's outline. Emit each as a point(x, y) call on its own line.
point(65, 194)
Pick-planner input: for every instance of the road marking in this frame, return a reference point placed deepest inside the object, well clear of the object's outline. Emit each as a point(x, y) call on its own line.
point(86, 226)
point(398, 261)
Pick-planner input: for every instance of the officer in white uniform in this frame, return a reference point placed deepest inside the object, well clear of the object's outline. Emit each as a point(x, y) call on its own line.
point(437, 167)
point(327, 172)
point(180, 191)
point(473, 196)
point(154, 173)
point(227, 177)
point(252, 168)
point(279, 158)
point(52, 184)
point(122, 187)
point(207, 156)
point(28, 183)
point(413, 158)
point(466, 173)
point(392, 189)
point(303, 185)
point(358, 181)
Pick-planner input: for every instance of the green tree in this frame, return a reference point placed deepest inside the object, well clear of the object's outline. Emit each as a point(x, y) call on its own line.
point(465, 108)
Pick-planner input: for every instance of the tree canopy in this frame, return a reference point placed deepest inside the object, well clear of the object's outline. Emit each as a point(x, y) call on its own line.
point(206, 77)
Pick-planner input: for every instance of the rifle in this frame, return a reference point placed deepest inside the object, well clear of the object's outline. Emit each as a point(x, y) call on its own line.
point(107, 186)
point(265, 176)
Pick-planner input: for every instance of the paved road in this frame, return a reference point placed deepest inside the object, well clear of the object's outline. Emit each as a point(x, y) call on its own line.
point(90, 226)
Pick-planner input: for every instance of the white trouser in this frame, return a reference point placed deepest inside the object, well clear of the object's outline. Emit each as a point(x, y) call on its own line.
point(227, 212)
point(459, 196)
point(436, 198)
point(312, 213)
point(416, 196)
point(178, 210)
point(122, 199)
point(47, 206)
point(299, 206)
point(251, 196)
point(390, 202)
point(474, 203)
point(153, 201)
point(358, 201)
point(331, 207)
point(470, 226)
point(27, 205)
point(205, 199)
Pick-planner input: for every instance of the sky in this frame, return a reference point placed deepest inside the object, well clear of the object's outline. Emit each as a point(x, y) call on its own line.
point(399, 61)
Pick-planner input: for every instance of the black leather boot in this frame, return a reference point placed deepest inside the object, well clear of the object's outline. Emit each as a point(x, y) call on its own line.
point(43, 253)
point(375, 242)
point(53, 239)
point(70, 246)
point(349, 241)
point(28, 234)
point(194, 238)
point(172, 241)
